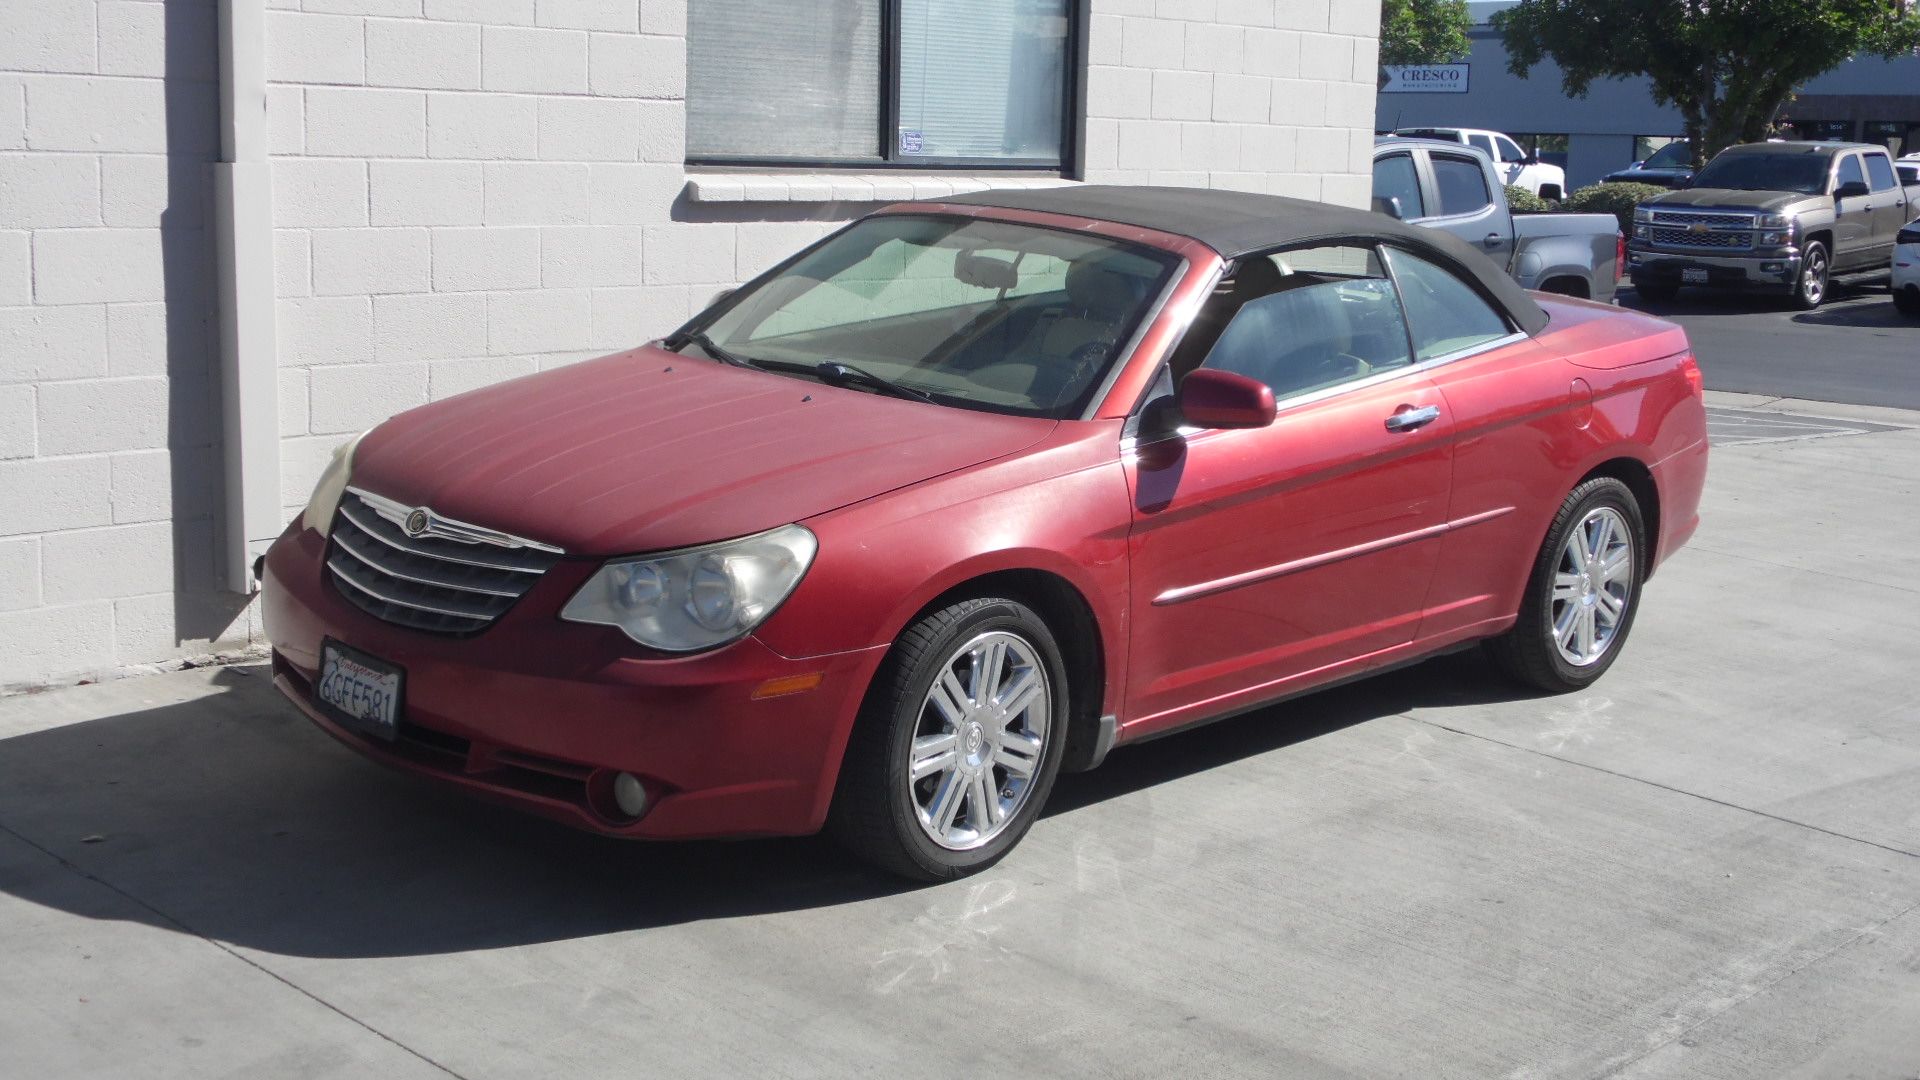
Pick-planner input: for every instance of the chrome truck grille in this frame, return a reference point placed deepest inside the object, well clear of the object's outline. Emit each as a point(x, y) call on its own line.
point(1724, 241)
point(1705, 229)
point(407, 566)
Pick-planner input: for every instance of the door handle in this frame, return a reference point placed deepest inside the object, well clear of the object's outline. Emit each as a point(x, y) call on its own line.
point(1411, 419)
point(1493, 239)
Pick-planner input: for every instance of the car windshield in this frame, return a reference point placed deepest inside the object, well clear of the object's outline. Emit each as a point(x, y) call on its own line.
point(972, 313)
point(1671, 156)
point(1804, 173)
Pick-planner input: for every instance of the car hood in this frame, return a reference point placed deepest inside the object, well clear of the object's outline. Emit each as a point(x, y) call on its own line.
point(1772, 202)
point(648, 450)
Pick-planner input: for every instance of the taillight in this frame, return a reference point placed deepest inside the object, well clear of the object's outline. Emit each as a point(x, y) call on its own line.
point(1696, 382)
point(1619, 257)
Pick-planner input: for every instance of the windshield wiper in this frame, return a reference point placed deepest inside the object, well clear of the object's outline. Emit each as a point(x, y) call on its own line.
point(836, 373)
point(700, 338)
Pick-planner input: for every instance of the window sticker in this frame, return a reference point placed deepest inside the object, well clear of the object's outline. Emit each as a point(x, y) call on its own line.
point(910, 142)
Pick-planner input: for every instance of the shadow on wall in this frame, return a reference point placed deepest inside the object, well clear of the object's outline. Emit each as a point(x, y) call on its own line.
point(202, 610)
point(231, 817)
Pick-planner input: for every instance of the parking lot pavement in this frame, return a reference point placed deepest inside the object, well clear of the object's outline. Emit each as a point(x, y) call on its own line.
point(1706, 866)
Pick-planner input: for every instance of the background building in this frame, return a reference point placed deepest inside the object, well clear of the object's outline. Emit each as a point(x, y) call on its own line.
point(1617, 123)
point(235, 232)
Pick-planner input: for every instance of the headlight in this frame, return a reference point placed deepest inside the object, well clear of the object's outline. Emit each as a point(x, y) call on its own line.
point(1641, 213)
point(1774, 239)
point(1775, 221)
point(325, 499)
point(681, 601)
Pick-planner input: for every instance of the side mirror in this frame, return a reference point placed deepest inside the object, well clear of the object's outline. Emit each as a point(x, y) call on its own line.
point(1389, 206)
point(1222, 399)
point(1852, 189)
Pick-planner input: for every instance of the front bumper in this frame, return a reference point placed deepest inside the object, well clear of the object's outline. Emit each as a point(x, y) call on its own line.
point(1769, 271)
point(540, 714)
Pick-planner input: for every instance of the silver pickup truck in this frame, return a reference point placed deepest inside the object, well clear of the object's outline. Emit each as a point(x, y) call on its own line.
point(1773, 217)
point(1447, 186)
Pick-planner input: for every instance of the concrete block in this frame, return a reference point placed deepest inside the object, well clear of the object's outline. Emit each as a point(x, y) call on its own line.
point(47, 494)
point(445, 378)
point(19, 573)
point(1149, 144)
point(304, 48)
point(50, 641)
point(353, 398)
point(663, 131)
point(352, 261)
point(532, 60)
point(351, 122)
point(624, 318)
point(1366, 61)
point(325, 330)
point(628, 194)
point(1242, 99)
point(1300, 103)
point(429, 326)
point(286, 120)
point(52, 343)
point(150, 191)
point(1190, 10)
point(50, 190)
point(423, 55)
point(1354, 20)
point(1274, 53)
point(537, 193)
point(426, 192)
point(100, 564)
point(1245, 12)
point(1103, 143)
point(664, 17)
point(1120, 93)
point(403, 9)
point(1213, 47)
point(575, 258)
point(487, 12)
point(762, 244)
point(1152, 43)
point(1302, 14)
point(1213, 148)
point(17, 421)
point(686, 254)
point(590, 129)
point(1350, 105)
point(293, 393)
point(137, 39)
point(167, 626)
point(314, 193)
point(90, 266)
point(143, 488)
point(621, 15)
point(622, 65)
point(1326, 57)
point(114, 115)
point(102, 415)
point(47, 35)
point(292, 263)
point(1103, 40)
point(302, 459)
point(482, 126)
point(1320, 147)
point(16, 270)
point(138, 338)
point(13, 113)
point(1182, 95)
point(1347, 190)
point(1267, 148)
point(548, 320)
point(470, 260)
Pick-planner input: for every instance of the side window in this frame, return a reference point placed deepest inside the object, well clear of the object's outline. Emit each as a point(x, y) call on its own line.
point(1508, 151)
point(1446, 315)
point(1849, 172)
point(1462, 184)
point(1394, 178)
point(1880, 171)
point(1309, 319)
point(1481, 142)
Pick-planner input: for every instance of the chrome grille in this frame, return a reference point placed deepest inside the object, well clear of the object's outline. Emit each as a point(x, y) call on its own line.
point(428, 582)
point(1718, 220)
point(1736, 241)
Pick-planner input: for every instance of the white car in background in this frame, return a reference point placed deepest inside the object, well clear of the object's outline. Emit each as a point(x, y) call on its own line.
point(1516, 167)
point(1906, 269)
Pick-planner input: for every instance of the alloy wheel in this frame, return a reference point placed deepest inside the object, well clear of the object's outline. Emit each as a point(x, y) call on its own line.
point(1814, 287)
point(981, 736)
point(1592, 586)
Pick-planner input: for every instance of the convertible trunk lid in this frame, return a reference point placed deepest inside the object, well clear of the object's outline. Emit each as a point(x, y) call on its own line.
point(649, 450)
point(1591, 335)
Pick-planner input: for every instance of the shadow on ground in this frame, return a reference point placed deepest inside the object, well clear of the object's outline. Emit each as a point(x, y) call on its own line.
point(1849, 305)
point(230, 817)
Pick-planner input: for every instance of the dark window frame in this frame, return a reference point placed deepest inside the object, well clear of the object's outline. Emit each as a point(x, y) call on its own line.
point(1072, 116)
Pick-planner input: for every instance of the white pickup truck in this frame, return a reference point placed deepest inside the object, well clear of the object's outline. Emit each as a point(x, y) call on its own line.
point(1515, 167)
point(1455, 188)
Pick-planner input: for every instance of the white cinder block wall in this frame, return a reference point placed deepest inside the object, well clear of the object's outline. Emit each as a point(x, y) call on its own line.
point(464, 191)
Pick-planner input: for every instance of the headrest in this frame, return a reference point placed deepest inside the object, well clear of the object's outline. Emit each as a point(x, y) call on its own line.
point(1093, 287)
point(1256, 277)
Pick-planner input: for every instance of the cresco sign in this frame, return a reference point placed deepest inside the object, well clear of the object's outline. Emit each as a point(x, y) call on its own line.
point(1426, 79)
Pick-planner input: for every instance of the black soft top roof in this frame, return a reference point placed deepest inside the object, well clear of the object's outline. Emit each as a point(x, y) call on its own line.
point(1236, 223)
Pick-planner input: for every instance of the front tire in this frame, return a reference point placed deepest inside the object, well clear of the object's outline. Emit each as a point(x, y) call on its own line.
point(958, 743)
point(1582, 594)
point(1810, 291)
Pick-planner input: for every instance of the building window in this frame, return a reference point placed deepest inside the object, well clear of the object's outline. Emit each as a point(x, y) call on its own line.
point(882, 83)
point(1898, 136)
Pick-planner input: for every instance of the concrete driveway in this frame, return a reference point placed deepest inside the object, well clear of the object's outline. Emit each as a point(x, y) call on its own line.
point(1707, 866)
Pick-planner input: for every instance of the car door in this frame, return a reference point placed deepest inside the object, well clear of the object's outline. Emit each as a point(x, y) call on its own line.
point(1510, 162)
point(1397, 186)
point(1272, 559)
point(1852, 215)
point(1890, 208)
point(1460, 202)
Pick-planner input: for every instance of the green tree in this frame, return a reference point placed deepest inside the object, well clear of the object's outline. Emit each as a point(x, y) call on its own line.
point(1423, 31)
point(1726, 65)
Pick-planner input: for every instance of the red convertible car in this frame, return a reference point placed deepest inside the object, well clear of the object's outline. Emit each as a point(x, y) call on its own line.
point(973, 491)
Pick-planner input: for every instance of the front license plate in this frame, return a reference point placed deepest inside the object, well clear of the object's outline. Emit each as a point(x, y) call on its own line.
point(364, 690)
point(1693, 277)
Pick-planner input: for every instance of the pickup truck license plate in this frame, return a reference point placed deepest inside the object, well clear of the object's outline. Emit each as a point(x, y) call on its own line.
point(1693, 276)
point(364, 689)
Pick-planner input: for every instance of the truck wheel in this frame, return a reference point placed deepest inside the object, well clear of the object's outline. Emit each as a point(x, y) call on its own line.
point(1907, 300)
point(1657, 292)
point(1811, 290)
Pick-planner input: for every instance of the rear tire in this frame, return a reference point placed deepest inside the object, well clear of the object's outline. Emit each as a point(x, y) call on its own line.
point(957, 744)
point(1907, 300)
point(1810, 289)
point(1582, 594)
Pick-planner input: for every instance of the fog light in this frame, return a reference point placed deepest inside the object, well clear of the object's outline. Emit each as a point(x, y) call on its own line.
point(630, 795)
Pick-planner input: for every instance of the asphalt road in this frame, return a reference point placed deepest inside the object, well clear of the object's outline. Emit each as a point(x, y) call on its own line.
point(1857, 349)
point(1706, 866)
